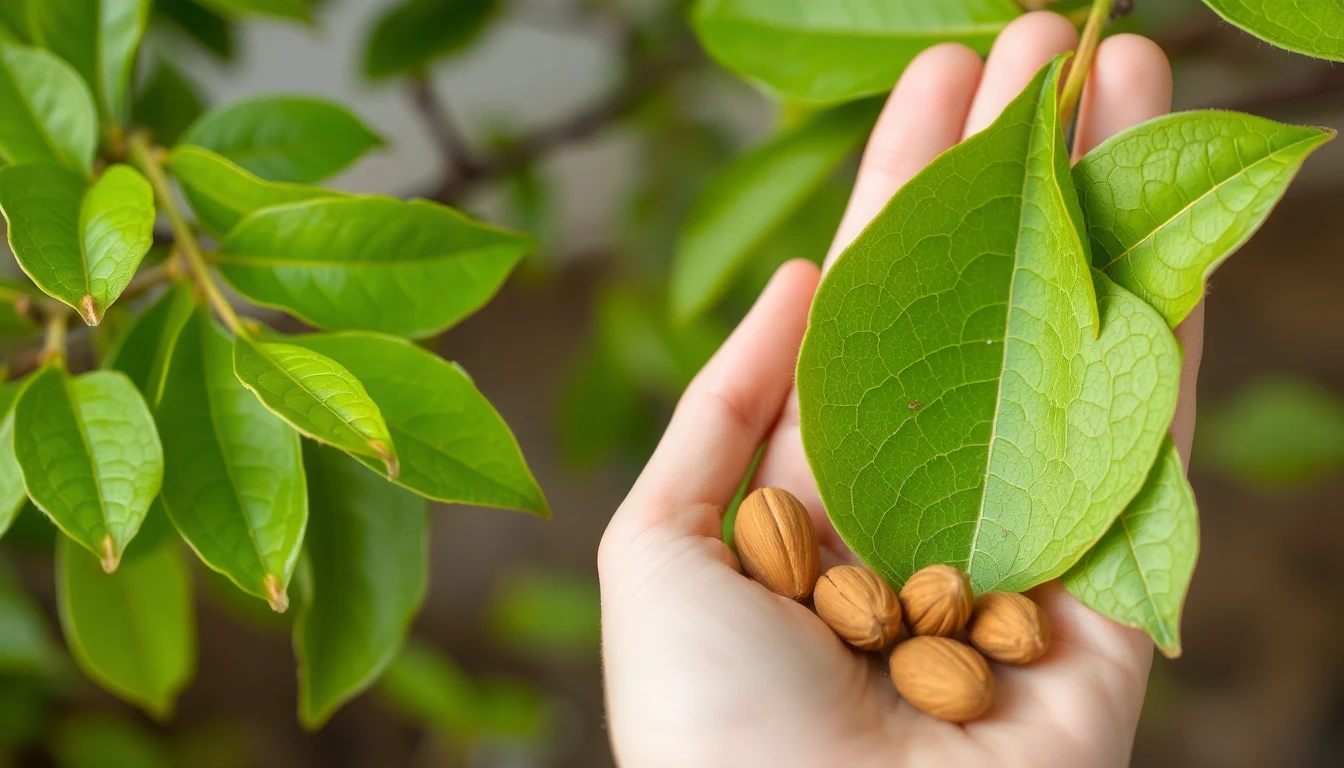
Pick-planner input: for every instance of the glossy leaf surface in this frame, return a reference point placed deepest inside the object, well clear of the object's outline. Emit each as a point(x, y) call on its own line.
point(133, 631)
point(223, 194)
point(80, 244)
point(100, 39)
point(316, 395)
point(452, 444)
point(825, 51)
point(415, 33)
point(1169, 200)
point(370, 263)
point(48, 112)
point(90, 456)
point(285, 138)
point(368, 548)
point(234, 484)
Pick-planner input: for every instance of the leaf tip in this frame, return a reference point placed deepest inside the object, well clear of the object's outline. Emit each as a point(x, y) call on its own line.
point(88, 310)
point(275, 593)
point(107, 556)
point(388, 457)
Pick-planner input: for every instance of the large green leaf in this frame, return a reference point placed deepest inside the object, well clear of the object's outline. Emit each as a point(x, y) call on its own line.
point(411, 35)
point(369, 551)
point(99, 38)
point(1312, 27)
point(90, 456)
point(46, 111)
point(234, 483)
point(966, 397)
point(452, 444)
point(80, 244)
point(284, 9)
point(752, 197)
point(316, 395)
point(223, 194)
point(1139, 572)
point(133, 631)
point(12, 492)
point(1167, 201)
point(824, 51)
point(167, 104)
point(370, 263)
point(15, 21)
point(285, 138)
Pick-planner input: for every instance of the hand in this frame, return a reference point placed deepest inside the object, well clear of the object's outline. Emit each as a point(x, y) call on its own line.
point(705, 667)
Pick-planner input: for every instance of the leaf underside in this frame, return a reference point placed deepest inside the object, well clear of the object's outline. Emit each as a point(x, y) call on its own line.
point(1310, 27)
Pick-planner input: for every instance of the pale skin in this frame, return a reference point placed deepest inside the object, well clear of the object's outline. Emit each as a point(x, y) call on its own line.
point(705, 667)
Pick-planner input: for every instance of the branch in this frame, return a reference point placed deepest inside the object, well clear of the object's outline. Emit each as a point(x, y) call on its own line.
point(53, 347)
point(457, 157)
point(582, 125)
point(1097, 20)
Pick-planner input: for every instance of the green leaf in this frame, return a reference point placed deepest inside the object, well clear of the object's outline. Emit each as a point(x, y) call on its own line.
point(285, 138)
point(370, 263)
point(412, 35)
point(1311, 27)
point(425, 686)
point(965, 396)
point(234, 483)
point(143, 350)
point(602, 413)
point(133, 632)
point(14, 20)
point(212, 31)
point(80, 244)
point(369, 551)
point(48, 111)
point(100, 39)
point(1139, 572)
point(452, 444)
point(90, 456)
point(100, 740)
point(167, 104)
point(223, 194)
point(1167, 201)
point(26, 646)
point(1278, 431)
point(316, 396)
point(283, 9)
point(12, 492)
point(829, 51)
point(753, 197)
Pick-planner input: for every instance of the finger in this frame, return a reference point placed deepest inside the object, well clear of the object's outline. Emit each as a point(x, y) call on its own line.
point(922, 119)
point(724, 414)
point(1130, 84)
point(1025, 46)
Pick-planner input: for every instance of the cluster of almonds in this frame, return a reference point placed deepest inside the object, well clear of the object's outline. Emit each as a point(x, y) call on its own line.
point(931, 666)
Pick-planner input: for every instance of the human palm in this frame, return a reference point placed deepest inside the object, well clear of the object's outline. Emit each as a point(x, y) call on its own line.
point(705, 667)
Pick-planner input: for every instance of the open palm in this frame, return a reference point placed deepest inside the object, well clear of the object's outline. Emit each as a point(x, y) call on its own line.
point(706, 668)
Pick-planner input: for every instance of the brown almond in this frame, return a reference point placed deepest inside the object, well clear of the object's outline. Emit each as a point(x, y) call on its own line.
point(943, 678)
point(1009, 628)
point(859, 606)
point(937, 600)
point(777, 543)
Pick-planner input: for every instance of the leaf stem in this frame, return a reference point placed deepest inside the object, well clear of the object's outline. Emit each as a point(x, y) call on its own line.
point(1097, 19)
point(147, 158)
point(53, 347)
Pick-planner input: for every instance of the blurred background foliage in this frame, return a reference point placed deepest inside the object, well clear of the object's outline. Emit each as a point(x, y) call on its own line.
point(597, 125)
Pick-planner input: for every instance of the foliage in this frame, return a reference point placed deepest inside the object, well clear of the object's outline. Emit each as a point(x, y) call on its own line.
point(1276, 432)
point(193, 430)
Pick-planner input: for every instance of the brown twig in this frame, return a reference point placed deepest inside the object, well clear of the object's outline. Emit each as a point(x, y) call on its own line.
point(637, 87)
point(458, 159)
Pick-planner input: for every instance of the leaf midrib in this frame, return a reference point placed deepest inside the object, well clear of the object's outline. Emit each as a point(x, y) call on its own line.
point(343, 421)
point(474, 471)
point(88, 451)
point(1143, 577)
point(1212, 190)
